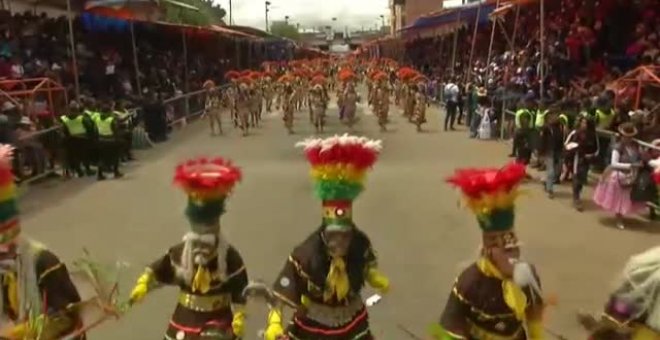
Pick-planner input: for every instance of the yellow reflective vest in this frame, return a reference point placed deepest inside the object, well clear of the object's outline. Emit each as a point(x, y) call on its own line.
point(75, 125)
point(520, 113)
point(104, 126)
point(540, 118)
point(605, 119)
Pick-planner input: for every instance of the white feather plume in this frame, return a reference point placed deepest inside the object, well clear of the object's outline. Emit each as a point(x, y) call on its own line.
point(327, 143)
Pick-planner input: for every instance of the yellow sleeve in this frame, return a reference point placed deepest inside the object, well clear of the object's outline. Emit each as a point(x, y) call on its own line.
point(142, 286)
point(535, 329)
point(377, 280)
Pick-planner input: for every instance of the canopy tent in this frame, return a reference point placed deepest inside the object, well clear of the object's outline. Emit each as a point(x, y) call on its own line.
point(467, 14)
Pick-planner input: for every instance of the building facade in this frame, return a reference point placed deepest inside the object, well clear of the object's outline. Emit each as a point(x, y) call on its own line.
point(405, 12)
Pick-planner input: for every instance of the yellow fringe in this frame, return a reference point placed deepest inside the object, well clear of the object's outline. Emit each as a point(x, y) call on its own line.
point(514, 297)
point(7, 192)
point(337, 283)
point(208, 194)
point(346, 172)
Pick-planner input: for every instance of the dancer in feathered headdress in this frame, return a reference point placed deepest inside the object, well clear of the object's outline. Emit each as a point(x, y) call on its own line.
point(231, 95)
point(632, 311)
point(327, 297)
point(318, 102)
point(286, 99)
point(36, 291)
point(381, 99)
point(407, 96)
point(498, 296)
point(347, 98)
point(207, 269)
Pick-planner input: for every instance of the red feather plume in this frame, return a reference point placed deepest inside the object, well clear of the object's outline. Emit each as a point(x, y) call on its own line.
point(204, 175)
point(476, 182)
point(231, 75)
point(354, 154)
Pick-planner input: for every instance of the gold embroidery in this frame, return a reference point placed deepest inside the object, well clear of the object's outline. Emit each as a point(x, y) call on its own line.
point(50, 270)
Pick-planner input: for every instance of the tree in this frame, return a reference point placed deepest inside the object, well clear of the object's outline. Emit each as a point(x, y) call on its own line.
point(208, 13)
point(285, 30)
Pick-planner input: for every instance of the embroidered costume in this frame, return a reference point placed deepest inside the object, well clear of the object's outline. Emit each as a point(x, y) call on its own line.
point(38, 300)
point(324, 275)
point(207, 269)
point(499, 296)
point(632, 312)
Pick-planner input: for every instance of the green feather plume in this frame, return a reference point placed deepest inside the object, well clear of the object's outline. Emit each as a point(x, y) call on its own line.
point(338, 190)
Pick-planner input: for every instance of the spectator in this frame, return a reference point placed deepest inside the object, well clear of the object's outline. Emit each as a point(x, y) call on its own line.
point(451, 93)
point(613, 191)
point(582, 148)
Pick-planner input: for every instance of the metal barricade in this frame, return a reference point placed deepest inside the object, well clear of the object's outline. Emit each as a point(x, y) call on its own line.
point(606, 133)
point(38, 154)
point(184, 108)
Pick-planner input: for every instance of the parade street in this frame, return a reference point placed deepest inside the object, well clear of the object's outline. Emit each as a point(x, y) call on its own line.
point(422, 234)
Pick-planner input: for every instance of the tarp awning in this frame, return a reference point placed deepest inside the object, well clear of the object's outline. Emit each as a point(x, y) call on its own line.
point(467, 13)
point(228, 31)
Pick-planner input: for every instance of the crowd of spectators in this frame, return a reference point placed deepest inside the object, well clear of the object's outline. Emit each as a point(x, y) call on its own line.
point(557, 109)
point(37, 46)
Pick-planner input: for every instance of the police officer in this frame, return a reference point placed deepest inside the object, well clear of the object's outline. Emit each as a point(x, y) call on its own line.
point(125, 120)
point(107, 127)
point(78, 136)
point(526, 110)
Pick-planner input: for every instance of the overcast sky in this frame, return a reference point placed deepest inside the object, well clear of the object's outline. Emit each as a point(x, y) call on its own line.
point(313, 13)
point(309, 13)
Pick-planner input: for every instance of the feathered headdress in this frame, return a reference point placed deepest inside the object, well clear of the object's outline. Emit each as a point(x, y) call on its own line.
point(231, 75)
point(378, 76)
point(318, 80)
point(491, 194)
point(285, 79)
point(339, 166)
point(208, 183)
point(346, 75)
point(10, 227)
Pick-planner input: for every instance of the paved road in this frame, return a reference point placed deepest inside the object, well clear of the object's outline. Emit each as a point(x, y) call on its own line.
point(423, 237)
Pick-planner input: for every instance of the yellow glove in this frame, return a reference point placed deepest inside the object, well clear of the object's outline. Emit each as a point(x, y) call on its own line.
point(141, 287)
point(535, 329)
point(18, 332)
point(274, 329)
point(238, 322)
point(378, 281)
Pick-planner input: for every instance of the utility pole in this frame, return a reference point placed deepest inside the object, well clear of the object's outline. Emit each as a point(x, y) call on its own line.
point(231, 21)
point(267, 3)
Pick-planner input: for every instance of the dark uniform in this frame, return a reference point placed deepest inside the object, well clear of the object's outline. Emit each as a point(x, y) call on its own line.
point(107, 127)
point(476, 308)
point(208, 271)
point(301, 285)
point(79, 134)
point(323, 277)
point(35, 284)
point(59, 295)
point(199, 312)
point(487, 302)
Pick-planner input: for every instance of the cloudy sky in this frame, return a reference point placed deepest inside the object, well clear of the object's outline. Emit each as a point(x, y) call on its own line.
point(313, 13)
point(309, 13)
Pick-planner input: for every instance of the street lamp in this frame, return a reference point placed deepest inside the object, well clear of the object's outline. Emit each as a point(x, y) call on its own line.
point(382, 20)
point(267, 3)
point(286, 19)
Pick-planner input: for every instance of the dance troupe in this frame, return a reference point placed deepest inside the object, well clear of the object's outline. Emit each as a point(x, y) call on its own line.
point(307, 84)
point(497, 297)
